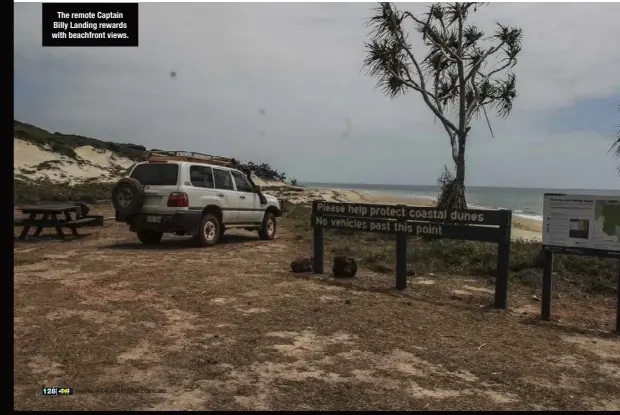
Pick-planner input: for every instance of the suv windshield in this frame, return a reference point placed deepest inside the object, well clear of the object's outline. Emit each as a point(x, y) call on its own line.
point(156, 174)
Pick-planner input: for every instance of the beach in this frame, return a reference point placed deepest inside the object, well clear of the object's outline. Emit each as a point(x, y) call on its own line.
point(522, 227)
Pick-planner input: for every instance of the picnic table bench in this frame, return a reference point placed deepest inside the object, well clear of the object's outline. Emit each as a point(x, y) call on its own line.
point(58, 216)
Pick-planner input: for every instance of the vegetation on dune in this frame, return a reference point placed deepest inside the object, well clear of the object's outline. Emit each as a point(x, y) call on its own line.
point(262, 170)
point(66, 144)
point(377, 252)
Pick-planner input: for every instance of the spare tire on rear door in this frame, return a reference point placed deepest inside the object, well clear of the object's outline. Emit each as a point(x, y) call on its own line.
point(128, 196)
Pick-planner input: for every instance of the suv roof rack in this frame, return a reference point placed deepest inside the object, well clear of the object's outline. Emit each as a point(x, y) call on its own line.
point(161, 155)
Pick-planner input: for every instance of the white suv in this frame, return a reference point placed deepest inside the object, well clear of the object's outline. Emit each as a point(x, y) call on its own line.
point(192, 194)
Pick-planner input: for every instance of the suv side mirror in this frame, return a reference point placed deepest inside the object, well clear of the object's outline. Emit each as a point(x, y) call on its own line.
point(256, 188)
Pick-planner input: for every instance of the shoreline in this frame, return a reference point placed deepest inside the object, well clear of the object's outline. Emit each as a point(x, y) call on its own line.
point(524, 216)
point(526, 228)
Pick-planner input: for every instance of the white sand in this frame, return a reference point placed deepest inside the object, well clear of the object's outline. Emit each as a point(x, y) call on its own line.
point(91, 164)
point(26, 154)
point(104, 159)
point(268, 183)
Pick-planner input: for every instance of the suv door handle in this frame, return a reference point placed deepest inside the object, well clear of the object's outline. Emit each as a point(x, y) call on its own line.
point(220, 195)
point(242, 197)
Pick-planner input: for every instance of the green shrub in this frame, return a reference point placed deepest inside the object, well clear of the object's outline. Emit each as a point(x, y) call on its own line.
point(66, 143)
point(29, 191)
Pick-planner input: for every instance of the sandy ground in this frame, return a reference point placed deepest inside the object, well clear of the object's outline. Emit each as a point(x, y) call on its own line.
point(230, 328)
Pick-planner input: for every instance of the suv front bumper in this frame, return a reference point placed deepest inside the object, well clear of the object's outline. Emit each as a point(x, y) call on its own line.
point(186, 222)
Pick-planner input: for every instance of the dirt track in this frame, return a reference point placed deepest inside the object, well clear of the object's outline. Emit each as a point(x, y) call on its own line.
point(229, 327)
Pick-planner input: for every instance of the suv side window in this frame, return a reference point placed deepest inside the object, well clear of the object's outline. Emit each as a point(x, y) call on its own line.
point(242, 183)
point(223, 179)
point(201, 176)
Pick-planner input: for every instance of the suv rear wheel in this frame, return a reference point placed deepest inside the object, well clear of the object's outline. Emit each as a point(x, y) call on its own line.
point(128, 196)
point(268, 230)
point(209, 231)
point(149, 238)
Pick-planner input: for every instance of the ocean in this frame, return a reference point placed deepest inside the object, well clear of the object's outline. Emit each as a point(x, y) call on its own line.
point(524, 202)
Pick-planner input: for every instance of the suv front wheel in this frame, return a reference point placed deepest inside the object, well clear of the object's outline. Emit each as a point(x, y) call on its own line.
point(209, 231)
point(268, 230)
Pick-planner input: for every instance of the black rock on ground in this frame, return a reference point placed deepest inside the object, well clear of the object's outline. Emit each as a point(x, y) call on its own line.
point(344, 267)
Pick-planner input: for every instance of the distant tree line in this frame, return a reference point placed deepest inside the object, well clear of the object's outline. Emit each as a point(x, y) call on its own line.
point(262, 170)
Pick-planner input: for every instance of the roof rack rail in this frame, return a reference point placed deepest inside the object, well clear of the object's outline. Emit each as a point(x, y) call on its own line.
point(161, 155)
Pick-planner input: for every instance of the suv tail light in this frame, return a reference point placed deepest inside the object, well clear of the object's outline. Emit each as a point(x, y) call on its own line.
point(178, 200)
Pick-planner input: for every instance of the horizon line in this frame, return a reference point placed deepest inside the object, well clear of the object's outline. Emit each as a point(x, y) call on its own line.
point(474, 186)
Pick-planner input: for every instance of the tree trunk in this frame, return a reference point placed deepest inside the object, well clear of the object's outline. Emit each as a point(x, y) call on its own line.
point(453, 196)
point(459, 184)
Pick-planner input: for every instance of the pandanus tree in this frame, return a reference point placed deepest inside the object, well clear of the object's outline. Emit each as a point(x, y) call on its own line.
point(463, 73)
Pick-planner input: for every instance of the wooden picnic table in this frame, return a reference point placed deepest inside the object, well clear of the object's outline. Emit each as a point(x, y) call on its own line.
point(58, 216)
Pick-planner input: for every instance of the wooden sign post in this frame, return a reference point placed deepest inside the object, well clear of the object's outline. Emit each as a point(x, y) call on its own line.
point(474, 225)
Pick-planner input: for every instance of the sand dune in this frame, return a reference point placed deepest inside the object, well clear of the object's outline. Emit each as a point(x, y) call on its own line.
point(36, 163)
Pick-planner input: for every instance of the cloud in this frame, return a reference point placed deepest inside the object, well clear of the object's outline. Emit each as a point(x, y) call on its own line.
point(569, 50)
point(301, 64)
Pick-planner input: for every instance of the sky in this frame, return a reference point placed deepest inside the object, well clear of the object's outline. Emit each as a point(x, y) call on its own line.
point(283, 83)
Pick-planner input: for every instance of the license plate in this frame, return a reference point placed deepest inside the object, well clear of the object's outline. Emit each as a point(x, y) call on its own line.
point(153, 219)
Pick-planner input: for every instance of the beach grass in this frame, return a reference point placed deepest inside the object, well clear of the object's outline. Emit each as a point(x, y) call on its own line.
point(26, 190)
point(377, 252)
